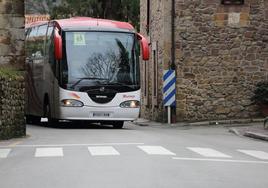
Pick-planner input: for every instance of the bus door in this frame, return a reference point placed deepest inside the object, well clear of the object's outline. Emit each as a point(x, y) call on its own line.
point(32, 92)
point(28, 65)
point(38, 58)
point(51, 70)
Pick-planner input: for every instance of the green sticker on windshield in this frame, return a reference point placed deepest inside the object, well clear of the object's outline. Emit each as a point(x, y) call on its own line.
point(79, 39)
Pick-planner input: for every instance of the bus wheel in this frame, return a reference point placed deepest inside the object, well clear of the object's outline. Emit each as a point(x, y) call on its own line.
point(118, 124)
point(33, 119)
point(50, 121)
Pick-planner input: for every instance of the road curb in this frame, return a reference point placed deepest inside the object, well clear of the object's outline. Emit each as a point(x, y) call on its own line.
point(226, 123)
point(256, 135)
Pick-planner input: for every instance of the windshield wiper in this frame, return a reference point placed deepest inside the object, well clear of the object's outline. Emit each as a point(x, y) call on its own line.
point(119, 84)
point(86, 78)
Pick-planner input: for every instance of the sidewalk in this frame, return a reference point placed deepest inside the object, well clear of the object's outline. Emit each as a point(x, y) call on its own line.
point(242, 127)
point(255, 130)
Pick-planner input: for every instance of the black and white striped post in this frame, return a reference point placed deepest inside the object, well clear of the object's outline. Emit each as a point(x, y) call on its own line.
point(169, 91)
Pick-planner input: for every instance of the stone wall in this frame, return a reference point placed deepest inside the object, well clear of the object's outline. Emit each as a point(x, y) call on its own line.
point(12, 33)
point(158, 34)
point(12, 59)
point(221, 53)
point(12, 91)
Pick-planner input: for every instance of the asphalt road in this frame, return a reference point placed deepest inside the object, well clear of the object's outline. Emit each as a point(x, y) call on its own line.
point(84, 156)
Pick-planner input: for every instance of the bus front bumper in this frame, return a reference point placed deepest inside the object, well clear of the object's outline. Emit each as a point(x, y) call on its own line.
point(98, 113)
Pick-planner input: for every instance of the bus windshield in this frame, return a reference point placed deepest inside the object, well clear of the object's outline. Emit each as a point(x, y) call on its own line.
point(100, 59)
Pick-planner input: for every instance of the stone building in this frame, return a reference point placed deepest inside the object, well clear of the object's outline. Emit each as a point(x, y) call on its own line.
point(12, 60)
point(219, 49)
point(12, 32)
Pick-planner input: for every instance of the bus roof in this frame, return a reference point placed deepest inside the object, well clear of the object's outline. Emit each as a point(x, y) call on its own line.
point(35, 24)
point(78, 22)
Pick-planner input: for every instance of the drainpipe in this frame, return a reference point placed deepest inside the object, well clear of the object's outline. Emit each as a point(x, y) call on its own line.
point(172, 65)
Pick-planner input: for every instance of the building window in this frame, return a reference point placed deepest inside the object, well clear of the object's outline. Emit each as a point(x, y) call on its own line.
point(145, 83)
point(155, 74)
point(232, 2)
point(145, 79)
point(148, 17)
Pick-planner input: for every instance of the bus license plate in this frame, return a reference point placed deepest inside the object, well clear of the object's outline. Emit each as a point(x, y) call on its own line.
point(101, 114)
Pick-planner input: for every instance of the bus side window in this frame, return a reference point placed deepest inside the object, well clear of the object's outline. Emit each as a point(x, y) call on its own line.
point(27, 42)
point(40, 41)
point(48, 39)
point(30, 44)
point(27, 33)
point(50, 48)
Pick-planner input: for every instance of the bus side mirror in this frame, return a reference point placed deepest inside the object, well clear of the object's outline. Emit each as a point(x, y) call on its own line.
point(58, 45)
point(144, 47)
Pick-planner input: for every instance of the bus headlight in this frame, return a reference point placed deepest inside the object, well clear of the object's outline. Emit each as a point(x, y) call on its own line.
point(130, 104)
point(71, 103)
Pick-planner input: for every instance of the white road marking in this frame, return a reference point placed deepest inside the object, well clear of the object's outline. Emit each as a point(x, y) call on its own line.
point(254, 153)
point(48, 152)
point(4, 153)
point(103, 150)
point(208, 152)
point(219, 160)
point(156, 150)
point(70, 145)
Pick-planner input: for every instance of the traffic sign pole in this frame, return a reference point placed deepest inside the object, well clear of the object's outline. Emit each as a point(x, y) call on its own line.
point(169, 115)
point(169, 91)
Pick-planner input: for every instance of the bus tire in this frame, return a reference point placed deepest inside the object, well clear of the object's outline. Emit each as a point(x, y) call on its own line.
point(118, 124)
point(48, 114)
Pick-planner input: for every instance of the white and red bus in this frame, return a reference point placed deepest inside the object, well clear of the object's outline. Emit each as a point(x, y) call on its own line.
point(83, 69)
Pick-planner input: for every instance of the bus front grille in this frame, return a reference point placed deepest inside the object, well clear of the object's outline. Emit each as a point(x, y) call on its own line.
point(102, 98)
point(99, 94)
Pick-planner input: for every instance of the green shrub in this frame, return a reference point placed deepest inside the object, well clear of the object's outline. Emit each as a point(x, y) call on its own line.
point(10, 73)
point(261, 93)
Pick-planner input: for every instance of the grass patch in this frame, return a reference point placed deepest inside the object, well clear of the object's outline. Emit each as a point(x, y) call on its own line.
point(11, 73)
